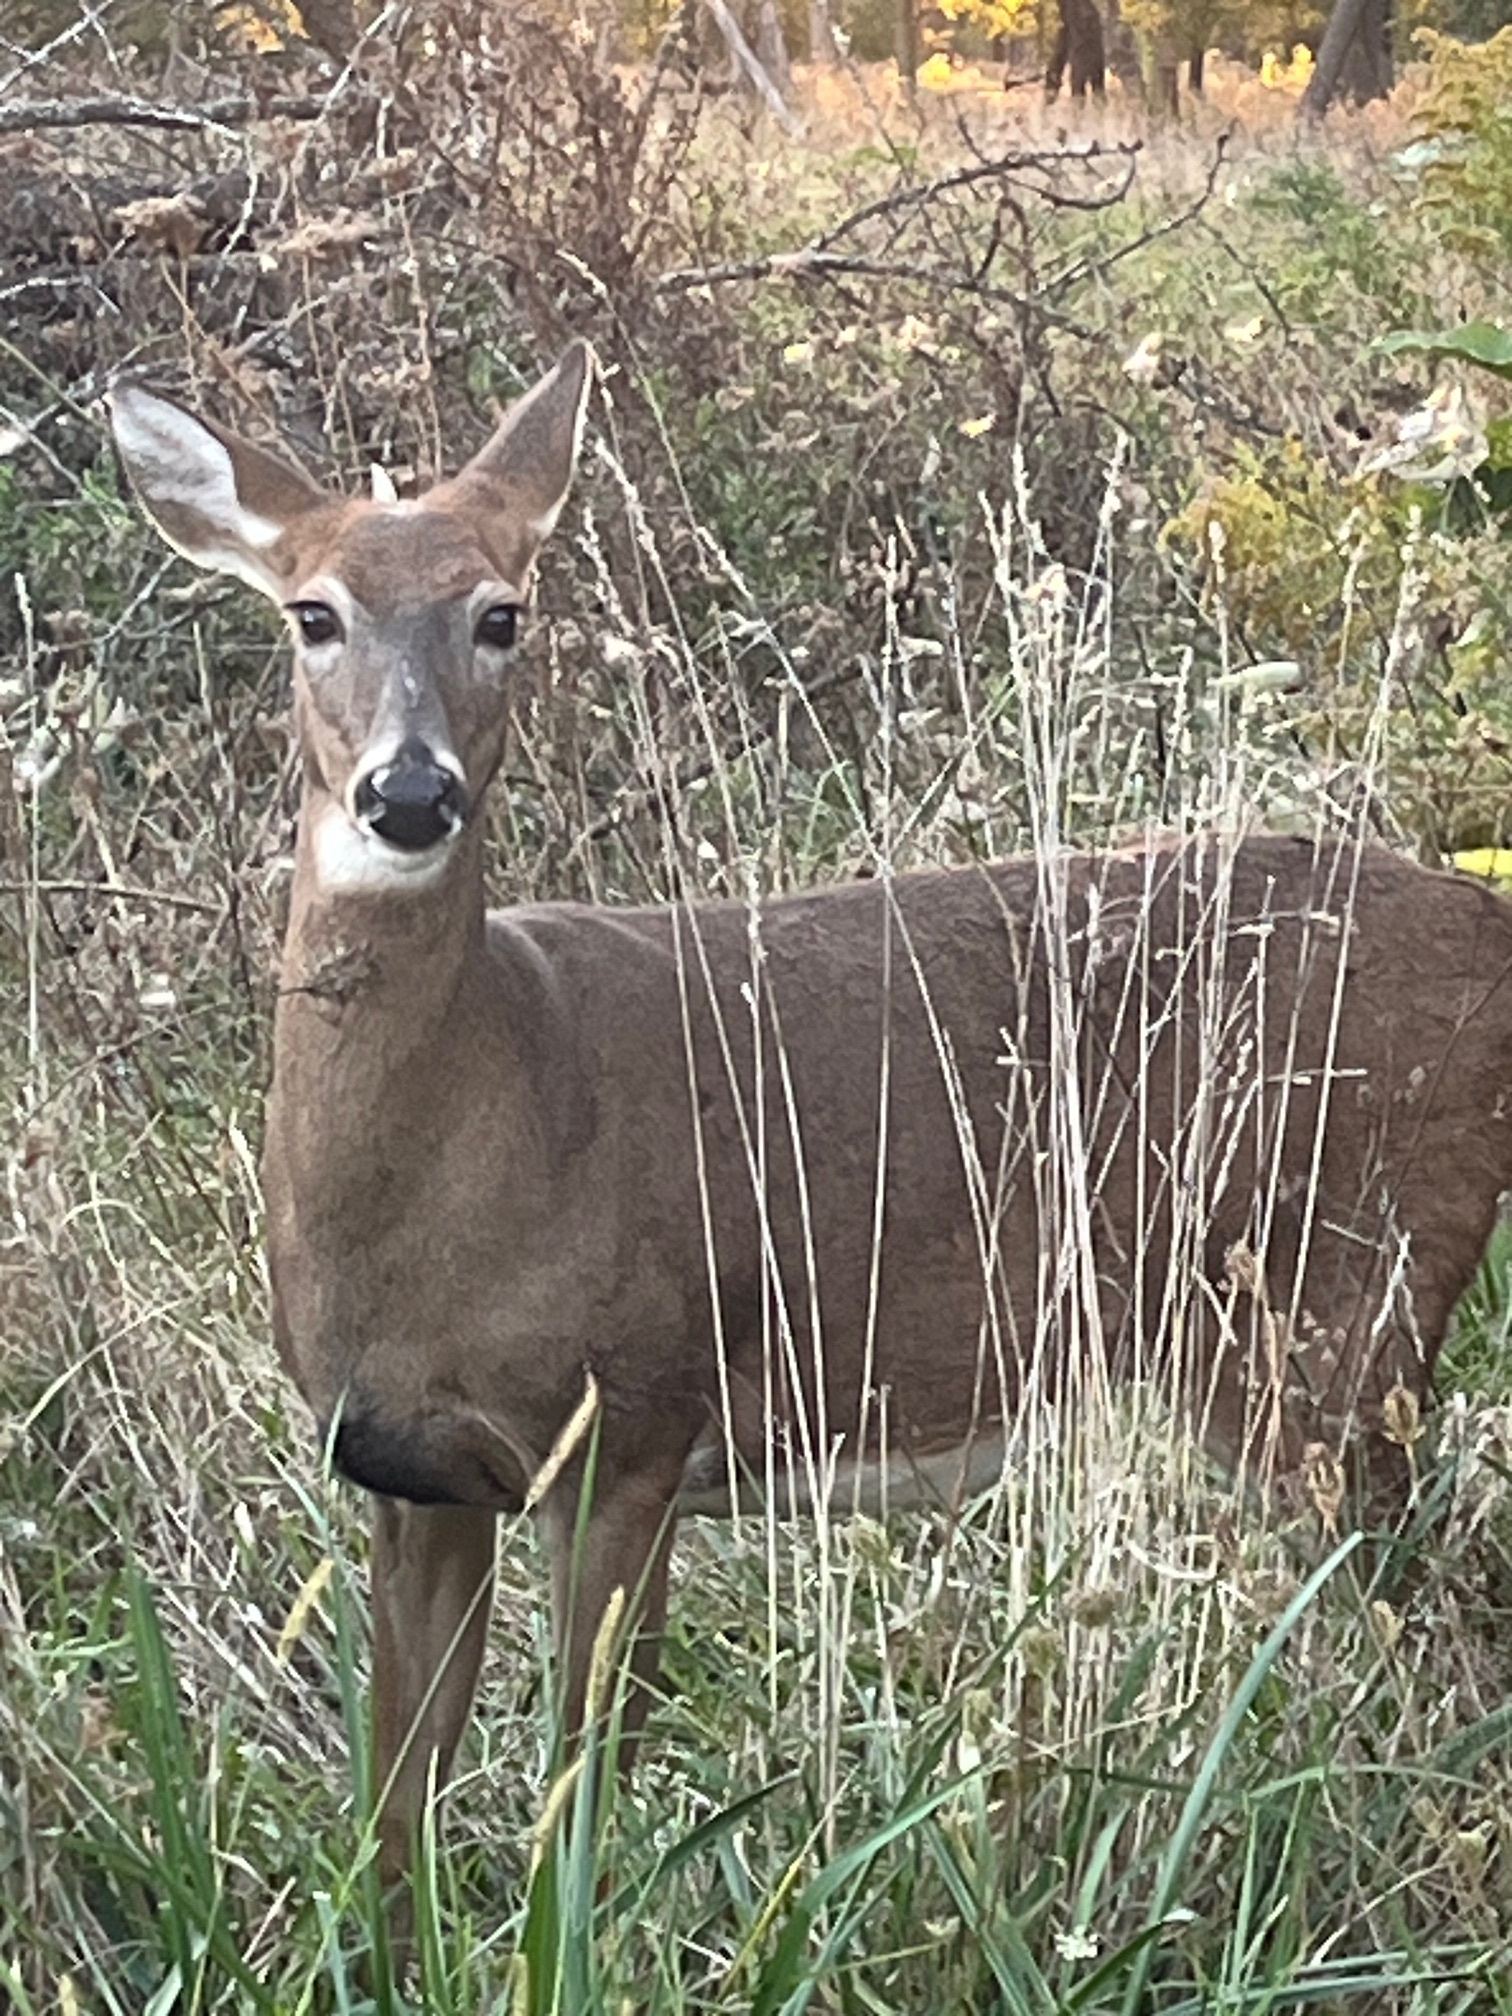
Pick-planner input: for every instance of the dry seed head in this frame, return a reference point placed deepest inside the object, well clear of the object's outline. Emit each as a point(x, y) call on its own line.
point(1470, 1850)
point(1095, 1605)
point(565, 1447)
point(979, 1711)
point(1242, 1266)
point(1401, 1417)
point(1386, 1623)
point(1323, 1475)
point(1040, 1649)
point(871, 1544)
point(560, 1791)
point(1429, 1815)
point(605, 1646)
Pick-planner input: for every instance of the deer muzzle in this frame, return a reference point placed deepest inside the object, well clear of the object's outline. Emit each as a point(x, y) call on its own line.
point(413, 802)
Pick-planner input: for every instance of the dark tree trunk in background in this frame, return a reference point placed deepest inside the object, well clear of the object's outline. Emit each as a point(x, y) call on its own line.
point(908, 44)
point(1369, 71)
point(1079, 48)
point(1196, 67)
point(1123, 50)
point(1167, 95)
point(1354, 55)
point(332, 24)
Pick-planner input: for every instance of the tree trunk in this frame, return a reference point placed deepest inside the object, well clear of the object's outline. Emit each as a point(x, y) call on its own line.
point(1055, 62)
point(1196, 67)
point(908, 45)
point(1167, 82)
point(1160, 72)
point(1368, 68)
point(1078, 46)
point(821, 33)
point(1123, 50)
point(1368, 73)
point(748, 65)
point(332, 24)
point(772, 49)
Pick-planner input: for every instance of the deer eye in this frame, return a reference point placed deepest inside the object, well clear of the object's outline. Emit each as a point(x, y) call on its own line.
point(497, 626)
point(318, 622)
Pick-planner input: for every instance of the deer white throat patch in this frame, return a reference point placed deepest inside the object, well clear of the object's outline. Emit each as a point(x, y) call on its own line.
point(348, 859)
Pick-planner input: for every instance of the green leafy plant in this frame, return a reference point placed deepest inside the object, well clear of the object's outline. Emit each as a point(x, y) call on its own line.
point(1467, 168)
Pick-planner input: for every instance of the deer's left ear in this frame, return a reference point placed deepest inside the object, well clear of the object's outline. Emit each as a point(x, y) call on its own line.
point(518, 483)
point(219, 500)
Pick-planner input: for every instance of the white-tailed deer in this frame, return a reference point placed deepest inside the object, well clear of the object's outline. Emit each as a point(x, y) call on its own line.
point(816, 1193)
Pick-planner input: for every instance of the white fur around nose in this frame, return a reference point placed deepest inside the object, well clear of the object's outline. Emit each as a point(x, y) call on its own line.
point(350, 860)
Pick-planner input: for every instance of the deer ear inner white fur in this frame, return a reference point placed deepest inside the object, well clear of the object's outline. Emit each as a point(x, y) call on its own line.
point(186, 479)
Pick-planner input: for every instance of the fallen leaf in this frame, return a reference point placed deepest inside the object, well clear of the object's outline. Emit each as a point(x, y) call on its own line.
point(165, 223)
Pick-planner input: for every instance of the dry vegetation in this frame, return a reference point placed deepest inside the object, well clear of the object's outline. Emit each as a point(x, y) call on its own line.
point(907, 546)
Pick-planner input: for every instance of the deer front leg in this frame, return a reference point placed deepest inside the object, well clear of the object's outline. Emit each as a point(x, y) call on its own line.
point(624, 1542)
point(432, 1590)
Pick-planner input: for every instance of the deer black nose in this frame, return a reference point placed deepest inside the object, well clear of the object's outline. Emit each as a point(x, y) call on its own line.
point(413, 802)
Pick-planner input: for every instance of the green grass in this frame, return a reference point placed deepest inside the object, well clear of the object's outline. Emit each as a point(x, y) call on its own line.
point(1215, 1861)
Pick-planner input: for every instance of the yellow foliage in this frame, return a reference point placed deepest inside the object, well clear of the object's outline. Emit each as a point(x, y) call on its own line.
point(1491, 864)
point(1277, 523)
point(1306, 563)
point(263, 29)
point(1468, 84)
point(1279, 74)
point(1469, 186)
point(993, 17)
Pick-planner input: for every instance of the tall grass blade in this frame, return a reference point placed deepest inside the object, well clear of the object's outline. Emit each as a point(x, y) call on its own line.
point(1189, 1825)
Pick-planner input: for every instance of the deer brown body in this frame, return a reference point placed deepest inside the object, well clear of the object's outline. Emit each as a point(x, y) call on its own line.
point(817, 1193)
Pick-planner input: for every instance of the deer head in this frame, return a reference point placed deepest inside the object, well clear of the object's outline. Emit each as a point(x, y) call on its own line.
point(404, 615)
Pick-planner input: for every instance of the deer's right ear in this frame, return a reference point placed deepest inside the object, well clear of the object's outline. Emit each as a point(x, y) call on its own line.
point(518, 483)
point(217, 499)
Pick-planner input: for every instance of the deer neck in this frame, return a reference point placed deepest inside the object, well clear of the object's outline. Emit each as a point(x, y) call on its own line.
point(375, 980)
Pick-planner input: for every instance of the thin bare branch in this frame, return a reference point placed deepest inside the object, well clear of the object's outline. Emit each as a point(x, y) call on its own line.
point(1004, 167)
point(1085, 268)
point(168, 899)
point(818, 258)
point(809, 264)
point(42, 115)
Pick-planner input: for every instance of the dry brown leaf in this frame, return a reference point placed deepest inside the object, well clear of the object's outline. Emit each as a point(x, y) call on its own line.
point(165, 223)
point(319, 236)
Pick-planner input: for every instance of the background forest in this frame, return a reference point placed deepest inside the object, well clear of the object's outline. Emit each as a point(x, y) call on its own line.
point(1020, 425)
